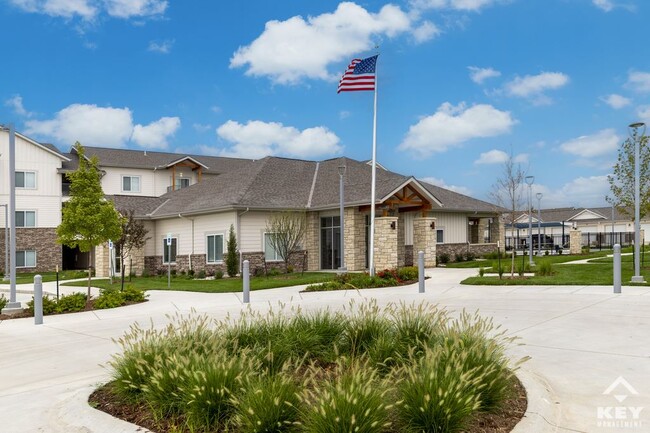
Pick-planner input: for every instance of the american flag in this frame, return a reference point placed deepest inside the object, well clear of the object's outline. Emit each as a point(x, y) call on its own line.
point(360, 75)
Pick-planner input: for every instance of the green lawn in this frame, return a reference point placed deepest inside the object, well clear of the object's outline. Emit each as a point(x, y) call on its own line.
point(505, 261)
point(215, 286)
point(581, 274)
point(28, 277)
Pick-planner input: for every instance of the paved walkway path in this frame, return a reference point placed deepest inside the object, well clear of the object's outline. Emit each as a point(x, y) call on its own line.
point(581, 340)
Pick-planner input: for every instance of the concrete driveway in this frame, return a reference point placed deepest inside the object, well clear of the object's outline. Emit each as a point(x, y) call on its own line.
point(590, 350)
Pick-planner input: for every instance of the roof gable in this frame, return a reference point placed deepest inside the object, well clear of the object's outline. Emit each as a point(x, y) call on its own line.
point(587, 214)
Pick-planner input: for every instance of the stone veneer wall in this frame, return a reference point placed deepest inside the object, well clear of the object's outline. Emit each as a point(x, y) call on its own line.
point(49, 254)
point(401, 238)
point(299, 260)
point(464, 248)
point(385, 246)
point(575, 241)
point(424, 239)
point(408, 255)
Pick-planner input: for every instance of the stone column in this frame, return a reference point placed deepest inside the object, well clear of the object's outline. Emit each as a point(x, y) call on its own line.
point(483, 224)
point(312, 241)
point(355, 239)
point(575, 241)
point(102, 261)
point(385, 243)
point(424, 239)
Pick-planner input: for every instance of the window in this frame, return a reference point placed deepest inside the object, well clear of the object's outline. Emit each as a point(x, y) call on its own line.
point(25, 259)
point(25, 218)
point(270, 254)
point(215, 248)
point(440, 236)
point(182, 182)
point(131, 183)
point(26, 179)
point(169, 251)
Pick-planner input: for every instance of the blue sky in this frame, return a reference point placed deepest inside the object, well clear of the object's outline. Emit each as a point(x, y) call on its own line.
point(461, 83)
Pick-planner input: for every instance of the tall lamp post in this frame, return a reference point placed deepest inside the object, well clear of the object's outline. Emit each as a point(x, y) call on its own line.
point(7, 271)
point(539, 196)
point(529, 181)
point(12, 306)
point(634, 129)
point(342, 169)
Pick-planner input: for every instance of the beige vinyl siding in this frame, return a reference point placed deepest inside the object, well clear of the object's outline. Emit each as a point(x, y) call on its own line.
point(253, 225)
point(112, 181)
point(454, 226)
point(150, 245)
point(181, 228)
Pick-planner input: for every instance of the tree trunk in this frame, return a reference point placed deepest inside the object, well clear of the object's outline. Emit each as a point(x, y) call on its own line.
point(90, 272)
point(123, 268)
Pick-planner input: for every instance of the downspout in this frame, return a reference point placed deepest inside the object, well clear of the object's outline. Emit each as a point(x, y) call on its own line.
point(192, 251)
point(238, 232)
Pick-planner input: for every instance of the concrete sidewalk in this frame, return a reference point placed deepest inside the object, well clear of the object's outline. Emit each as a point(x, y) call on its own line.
point(581, 340)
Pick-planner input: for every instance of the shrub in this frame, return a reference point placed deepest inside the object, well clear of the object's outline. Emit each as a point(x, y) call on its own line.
point(290, 269)
point(145, 273)
point(273, 272)
point(109, 298)
point(500, 270)
point(132, 294)
point(172, 272)
point(469, 256)
point(3, 301)
point(182, 273)
point(409, 273)
point(49, 305)
point(232, 254)
point(201, 274)
point(481, 271)
point(443, 258)
point(218, 274)
point(70, 303)
point(460, 257)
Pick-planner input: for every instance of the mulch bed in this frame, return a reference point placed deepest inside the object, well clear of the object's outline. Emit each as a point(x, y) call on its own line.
point(139, 413)
point(90, 306)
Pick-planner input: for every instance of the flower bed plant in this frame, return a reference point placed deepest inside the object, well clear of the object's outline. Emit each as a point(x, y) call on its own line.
point(401, 368)
point(385, 278)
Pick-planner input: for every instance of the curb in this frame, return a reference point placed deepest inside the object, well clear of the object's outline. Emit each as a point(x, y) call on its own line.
point(544, 411)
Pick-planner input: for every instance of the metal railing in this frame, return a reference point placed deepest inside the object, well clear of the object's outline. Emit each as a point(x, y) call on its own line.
point(595, 241)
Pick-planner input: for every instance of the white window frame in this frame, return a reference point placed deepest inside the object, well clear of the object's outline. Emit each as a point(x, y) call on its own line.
point(131, 183)
point(277, 256)
point(164, 240)
point(25, 264)
point(25, 172)
point(440, 229)
point(24, 212)
point(223, 245)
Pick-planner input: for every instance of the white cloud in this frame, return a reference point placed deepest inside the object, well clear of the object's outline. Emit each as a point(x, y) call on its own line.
point(135, 8)
point(16, 104)
point(478, 75)
point(156, 134)
point(639, 81)
point(343, 114)
point(288, 51)
point(589, 146)
point(442, 184)
point(451, 126)
point(461, 5)
point(88, 10)
point(643, 113)
point(522, 158)
point(163, 47)
point(580, 192)
point(101, 126)
point(216, 109)
point(257, 139)
point(199, 127)
point(606, 5)
point(616, 101)
point(89, 124)
point(425, 32)
point(493, 156)
point(534, 86)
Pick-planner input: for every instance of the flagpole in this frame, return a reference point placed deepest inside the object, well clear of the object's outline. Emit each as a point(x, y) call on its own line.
point(371, 261)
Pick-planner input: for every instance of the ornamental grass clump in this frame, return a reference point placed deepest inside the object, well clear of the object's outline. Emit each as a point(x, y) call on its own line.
point(352, 400)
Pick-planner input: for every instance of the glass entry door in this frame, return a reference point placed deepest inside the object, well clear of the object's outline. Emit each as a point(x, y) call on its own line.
point(330, 243)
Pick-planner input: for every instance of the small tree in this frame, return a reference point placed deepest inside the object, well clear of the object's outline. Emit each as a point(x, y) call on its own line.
point(232, 254)
point(88, 219)
point(134, 236)
point(507, 193)
point(621, 181)
point(286, 231)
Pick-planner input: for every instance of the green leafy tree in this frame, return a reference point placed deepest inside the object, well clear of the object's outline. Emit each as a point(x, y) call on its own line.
point(285, 232)
point(232, 254)
point(88, 219)
point(507, 192)
point(134, 236)
point(621, 181)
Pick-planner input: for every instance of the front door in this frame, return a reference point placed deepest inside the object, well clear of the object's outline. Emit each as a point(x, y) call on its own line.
point(330, 242)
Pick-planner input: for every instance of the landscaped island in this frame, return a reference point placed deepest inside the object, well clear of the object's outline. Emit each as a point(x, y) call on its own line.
point(400, 368)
